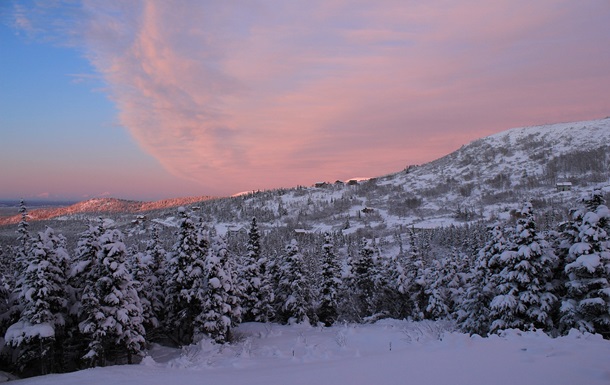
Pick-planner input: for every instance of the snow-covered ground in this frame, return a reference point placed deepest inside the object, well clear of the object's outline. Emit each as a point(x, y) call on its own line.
point(388, 352)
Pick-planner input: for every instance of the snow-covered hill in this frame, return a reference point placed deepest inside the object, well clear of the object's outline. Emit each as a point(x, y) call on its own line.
point(388, 352)
point(483, 180)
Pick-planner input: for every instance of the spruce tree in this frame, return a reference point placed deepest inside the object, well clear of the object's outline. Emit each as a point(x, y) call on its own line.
point(258, 296)
point(365, 277)
point(416, 273)
point(474, 310)
point(293, 292)
point(40, 329)
point(142, 270)
point(524, 299)
point(586, 305)
point(23, 239)
point(148, 268)
point(440, 277)
point(331, 281)
point(396, 294)
point(221, 307)
point(111, 310)
point(185, 276)
point(85, 257)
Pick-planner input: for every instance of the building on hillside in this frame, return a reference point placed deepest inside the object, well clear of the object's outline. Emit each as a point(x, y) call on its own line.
point(564, 186)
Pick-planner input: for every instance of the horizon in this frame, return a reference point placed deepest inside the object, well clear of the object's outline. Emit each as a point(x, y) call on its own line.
point(148, 100)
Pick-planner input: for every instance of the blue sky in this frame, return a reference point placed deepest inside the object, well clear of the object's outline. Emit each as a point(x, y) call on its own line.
point(60, 134)
point(156, 99)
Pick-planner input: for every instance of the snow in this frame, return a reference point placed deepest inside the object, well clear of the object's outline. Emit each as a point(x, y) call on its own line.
point(591, 262)
point(20, 331)
point(388, 352)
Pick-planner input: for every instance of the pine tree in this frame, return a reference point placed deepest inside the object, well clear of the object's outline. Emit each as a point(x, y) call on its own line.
point(293, 291)
point(148, 269)
point(437, 305)
point(586, 305)
point(5, 290)
point(258, 296)
point(185, 276)
point(111, 309)
point(18, 265)
point(40, 329)
point(23, 238)
point(9, 305)
point(85, 257)
point(221, 307)
point(366, 276)
point(331, 281)
point(142, 269)
point(524, 299)
point(396, 292)
point(441, 277)
point(416, 273)
point(474, 311)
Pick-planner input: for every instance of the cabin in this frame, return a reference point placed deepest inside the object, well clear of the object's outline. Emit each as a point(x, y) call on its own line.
point(320, 184)
point(352, 182)
point(564, 186)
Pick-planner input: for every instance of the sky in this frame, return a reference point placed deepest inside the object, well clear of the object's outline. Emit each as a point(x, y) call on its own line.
point(158, 99)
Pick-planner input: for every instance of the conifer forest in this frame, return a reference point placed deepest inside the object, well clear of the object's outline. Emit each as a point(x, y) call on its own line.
point(101, 296)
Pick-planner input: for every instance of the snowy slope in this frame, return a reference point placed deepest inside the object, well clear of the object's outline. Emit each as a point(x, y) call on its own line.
point(389, 352)
point(483, 180)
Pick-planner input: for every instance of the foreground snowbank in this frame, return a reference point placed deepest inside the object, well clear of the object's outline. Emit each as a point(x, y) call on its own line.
point(388, 352)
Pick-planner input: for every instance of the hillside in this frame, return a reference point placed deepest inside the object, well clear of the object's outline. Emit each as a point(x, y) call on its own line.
point(483, 180)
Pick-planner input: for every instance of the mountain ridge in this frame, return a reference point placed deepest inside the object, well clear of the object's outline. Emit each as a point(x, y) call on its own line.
point(104, 205)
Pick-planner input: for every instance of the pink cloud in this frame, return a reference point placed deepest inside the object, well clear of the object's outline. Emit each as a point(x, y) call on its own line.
point(239, 97)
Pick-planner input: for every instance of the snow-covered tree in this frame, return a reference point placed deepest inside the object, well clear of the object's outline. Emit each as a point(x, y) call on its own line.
point(331, 281)
point(293, 292)
point(416, 273)
point(141, 265)
point(365, 280)
point(586, 305)
point(185, 274)
point(5, 290)
point(524, 298)
point(221, 307)
point(40, 329)
point(474, 310)
point(445, 286)
point(257, 290)
point(10, 308)
point(111, 312)
point(23, 239)
point(85, 257)
point(157, 255)
point(396, 291)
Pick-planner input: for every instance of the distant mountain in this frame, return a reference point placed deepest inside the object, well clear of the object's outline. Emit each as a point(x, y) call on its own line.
point(101, 206)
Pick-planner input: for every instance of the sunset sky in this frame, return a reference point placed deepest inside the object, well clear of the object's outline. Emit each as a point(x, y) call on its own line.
point(157, 99)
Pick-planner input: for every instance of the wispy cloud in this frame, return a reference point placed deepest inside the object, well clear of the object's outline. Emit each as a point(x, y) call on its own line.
point(244, 95)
